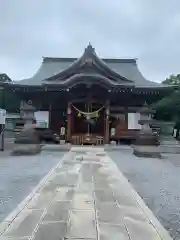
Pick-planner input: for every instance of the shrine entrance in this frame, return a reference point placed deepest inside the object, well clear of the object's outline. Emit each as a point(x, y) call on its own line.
point(87, 123)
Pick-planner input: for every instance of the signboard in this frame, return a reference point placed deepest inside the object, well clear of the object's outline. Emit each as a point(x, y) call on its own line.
point(42, 119)
point(2, 116)
point(133, 121)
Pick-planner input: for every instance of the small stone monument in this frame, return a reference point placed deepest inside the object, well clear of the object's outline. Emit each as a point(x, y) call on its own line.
point(146, 140)
point(27, 141)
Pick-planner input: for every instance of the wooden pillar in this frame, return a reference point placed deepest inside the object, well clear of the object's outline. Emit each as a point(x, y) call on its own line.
point(69, 122)
point(50, 116)
point(107, 122)
point(126, 117)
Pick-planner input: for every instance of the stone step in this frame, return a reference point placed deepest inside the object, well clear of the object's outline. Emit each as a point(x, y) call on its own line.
point(174, 143)
point(168, 140)
point(170, 149)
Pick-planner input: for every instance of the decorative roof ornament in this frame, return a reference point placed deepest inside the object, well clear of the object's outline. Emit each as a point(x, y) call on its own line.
point(4, 78)
point(89, 49)
point(88, 56)
point(88, 61)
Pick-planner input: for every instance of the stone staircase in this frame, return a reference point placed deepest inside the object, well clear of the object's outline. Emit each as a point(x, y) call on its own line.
point(169, 144)
point(168, 140)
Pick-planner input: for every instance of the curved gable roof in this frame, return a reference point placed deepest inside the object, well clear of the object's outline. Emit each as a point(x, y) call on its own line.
point(126, 69)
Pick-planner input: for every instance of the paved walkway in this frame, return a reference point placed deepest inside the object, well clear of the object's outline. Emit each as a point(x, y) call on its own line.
point(86, 197)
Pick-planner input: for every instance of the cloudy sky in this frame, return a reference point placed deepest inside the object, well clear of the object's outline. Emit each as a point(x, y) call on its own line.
point(145, 29)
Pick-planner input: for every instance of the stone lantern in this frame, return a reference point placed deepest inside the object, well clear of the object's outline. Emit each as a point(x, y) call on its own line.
point(27, 111)
point(146, 140)
point(27, 141)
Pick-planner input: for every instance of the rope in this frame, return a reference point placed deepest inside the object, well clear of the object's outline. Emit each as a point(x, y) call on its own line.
point(88, 113)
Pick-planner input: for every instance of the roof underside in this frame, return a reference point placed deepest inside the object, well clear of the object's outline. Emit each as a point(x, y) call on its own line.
point(125, 70)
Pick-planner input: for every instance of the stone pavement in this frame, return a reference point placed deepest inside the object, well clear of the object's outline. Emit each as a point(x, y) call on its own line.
point(86, 197)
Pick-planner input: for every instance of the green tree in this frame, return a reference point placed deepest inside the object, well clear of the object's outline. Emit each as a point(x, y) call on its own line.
point(173, 80)
point(169, 107)
point(11, 101)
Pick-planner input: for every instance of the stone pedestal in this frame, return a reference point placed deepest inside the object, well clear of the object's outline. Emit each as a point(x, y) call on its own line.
point(27, 142)
point(146, 137)
point(146, 140)
point(147, 151)
point(146, 145)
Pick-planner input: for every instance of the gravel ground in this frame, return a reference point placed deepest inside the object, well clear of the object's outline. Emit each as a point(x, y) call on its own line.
point(158, 182)
point(19, 175)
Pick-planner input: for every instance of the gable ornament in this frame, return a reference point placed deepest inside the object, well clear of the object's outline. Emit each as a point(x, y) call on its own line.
point(88, 62)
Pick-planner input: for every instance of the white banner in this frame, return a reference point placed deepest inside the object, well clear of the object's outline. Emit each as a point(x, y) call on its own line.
point(133, 119)
point(2, 116)
point(42, 118)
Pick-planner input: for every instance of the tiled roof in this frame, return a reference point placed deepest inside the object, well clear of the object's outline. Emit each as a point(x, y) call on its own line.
point(125, 68)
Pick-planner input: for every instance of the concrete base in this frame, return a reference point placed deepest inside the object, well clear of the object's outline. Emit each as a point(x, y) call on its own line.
point(56, 147)
point(26, 149)
point(147, 151)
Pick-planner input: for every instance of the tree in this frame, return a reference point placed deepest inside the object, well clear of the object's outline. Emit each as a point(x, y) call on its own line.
point(11, 101)
point(8, 99)
point(172, 80)
point(169, 107)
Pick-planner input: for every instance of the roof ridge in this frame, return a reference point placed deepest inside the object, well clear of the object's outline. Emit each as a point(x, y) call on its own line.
point(108, 60)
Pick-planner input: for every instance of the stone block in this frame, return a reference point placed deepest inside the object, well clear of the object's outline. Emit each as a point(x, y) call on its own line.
point(109, 213)
point(146, 151)
point(27, 142)
point(104, 196)
point(135, 213)
point(55, 231)
point(140, 230)
point(26, 149)
point(24, 224)
point(125, 200)
point(63, 194)
point(3, 226)
point(57, 211)
point(107, 232)
point(83, 201)
point(65, 180)
point(27, 136)
point(40, 200)
point(82, 225)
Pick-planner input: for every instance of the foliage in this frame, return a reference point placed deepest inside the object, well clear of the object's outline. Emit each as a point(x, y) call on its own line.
point(173, 80)
point(169, 107)
point(11, 101)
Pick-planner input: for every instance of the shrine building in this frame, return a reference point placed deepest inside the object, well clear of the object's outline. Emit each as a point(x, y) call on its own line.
point(96, 100)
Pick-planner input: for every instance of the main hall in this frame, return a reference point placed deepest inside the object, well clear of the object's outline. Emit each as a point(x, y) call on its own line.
point(96, 100)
